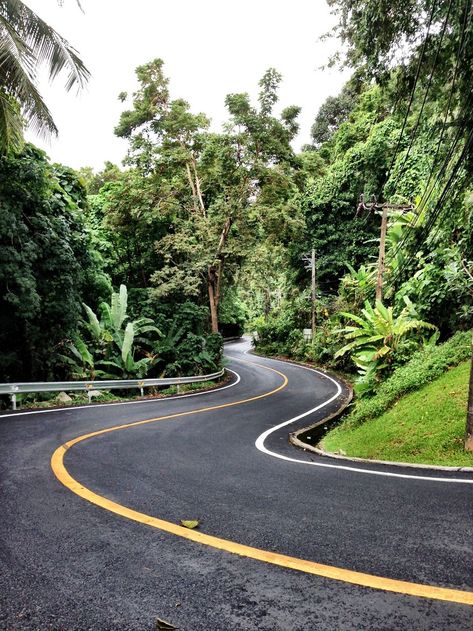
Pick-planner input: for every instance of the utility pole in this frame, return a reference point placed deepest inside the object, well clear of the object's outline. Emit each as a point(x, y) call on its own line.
point(309, 260)
point(469, 413)
point(382, 254)
point(385, 207)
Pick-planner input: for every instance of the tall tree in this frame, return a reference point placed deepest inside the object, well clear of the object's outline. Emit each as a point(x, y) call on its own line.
point(26, 43)
point(213, 187)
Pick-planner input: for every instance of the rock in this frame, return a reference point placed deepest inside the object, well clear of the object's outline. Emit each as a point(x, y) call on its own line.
point(62, 397)
point(95, 393)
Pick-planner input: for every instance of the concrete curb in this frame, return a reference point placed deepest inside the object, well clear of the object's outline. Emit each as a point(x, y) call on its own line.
point(297, 442)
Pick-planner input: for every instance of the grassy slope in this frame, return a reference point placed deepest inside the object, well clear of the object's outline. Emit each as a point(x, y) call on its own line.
point(426, 426)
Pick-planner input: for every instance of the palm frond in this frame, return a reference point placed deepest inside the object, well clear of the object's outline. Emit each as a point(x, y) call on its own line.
point(11, 124)
point(46, 45)
point(26, 42)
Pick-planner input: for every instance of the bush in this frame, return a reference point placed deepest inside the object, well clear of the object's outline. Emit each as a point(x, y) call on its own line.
point(424, 367)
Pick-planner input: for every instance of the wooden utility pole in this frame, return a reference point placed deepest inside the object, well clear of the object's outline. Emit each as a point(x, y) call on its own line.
point(382, 253)
point(469, 413)
point(385, 207)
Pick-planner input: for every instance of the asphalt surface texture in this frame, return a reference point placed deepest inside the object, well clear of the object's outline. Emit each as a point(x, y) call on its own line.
point(67, 564)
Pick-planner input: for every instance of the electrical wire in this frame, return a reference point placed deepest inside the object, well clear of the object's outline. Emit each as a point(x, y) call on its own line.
point(459, 134)
point(402, 168)
point(416, 79)
point(437, 211)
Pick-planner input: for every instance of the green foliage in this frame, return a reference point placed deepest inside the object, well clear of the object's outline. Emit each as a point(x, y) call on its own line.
point(376, 339)
point(219, 194)
point(358, 285)
point(425, 366)
point(332, 113)
point(425, 426)
point(193, 354)
point(126, 218)
point(185, 347)
point(113, 342)
point(357, 159)
point(442, 289)
point(45, 264)
point(232, 314)
point(27, 42)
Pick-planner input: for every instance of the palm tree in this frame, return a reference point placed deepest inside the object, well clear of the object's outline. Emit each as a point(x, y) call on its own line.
point(27, 42)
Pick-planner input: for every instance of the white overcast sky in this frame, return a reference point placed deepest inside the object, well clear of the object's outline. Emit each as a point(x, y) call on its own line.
point(210, 48)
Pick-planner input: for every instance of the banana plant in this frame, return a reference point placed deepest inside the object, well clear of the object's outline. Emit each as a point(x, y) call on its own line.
point(375, 337)
point(82, 362)
point(125, 362)
point(112, 343)
point(360, 283)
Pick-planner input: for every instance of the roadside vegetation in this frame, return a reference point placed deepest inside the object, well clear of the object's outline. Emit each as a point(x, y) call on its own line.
point(426, 426)
point(140, 270)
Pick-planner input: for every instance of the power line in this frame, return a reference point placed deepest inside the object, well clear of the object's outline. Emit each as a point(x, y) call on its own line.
point(461, 43)
point(426, 198)
point(459, 134)
point(427, 90)
point(411, 100)
point(436, 213)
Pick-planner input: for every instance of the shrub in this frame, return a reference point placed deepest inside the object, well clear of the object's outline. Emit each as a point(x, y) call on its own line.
point(425, 366)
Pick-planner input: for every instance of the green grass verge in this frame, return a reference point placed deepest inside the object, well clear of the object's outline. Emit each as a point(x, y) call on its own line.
point(423, 368)
point(426, 426)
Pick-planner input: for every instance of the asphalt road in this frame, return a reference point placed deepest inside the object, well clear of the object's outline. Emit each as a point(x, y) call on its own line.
point(68, 564)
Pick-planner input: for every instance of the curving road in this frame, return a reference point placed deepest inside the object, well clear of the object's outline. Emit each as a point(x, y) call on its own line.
point(89, 540)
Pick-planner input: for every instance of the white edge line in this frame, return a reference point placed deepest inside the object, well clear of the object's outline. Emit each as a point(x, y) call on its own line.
point(259, 443)
point(105, 405)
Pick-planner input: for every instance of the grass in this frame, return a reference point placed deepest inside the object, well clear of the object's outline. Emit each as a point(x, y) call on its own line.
point(426, 426)
point(424, 367)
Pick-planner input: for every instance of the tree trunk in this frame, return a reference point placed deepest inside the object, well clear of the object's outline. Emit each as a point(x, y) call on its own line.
point(212, 283)
point(469, 413)
point(215, 273)
point(267, 303)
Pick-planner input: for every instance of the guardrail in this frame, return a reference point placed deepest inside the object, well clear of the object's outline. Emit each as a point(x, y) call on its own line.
point(13, 389)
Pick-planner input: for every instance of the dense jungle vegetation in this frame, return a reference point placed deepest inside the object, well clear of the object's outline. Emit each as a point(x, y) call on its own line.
point(140, 269)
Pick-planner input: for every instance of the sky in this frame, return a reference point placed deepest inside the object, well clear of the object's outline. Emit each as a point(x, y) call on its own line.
point(210, 48)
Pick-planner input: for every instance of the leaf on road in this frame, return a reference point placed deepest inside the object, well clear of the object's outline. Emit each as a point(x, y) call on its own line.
point(190, 523)
point(163, 624)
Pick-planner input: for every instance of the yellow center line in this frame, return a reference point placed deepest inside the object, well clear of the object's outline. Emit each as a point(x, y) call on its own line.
point(282, 560)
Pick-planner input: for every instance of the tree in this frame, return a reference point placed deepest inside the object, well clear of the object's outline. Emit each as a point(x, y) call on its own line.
point(26, 42)
point(332, 113)
point(430, 42)
point(45, 264)
point(212, 187)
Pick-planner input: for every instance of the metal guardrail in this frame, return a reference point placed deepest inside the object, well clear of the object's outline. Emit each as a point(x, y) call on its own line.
point(13, 389)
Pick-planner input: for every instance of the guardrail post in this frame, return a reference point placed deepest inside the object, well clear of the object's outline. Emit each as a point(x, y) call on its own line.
point(13, 401)
point(89, 396)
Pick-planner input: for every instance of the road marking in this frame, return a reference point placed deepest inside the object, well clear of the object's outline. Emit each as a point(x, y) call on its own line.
point(259, 443)
point(274, 558)
point(106, 405)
